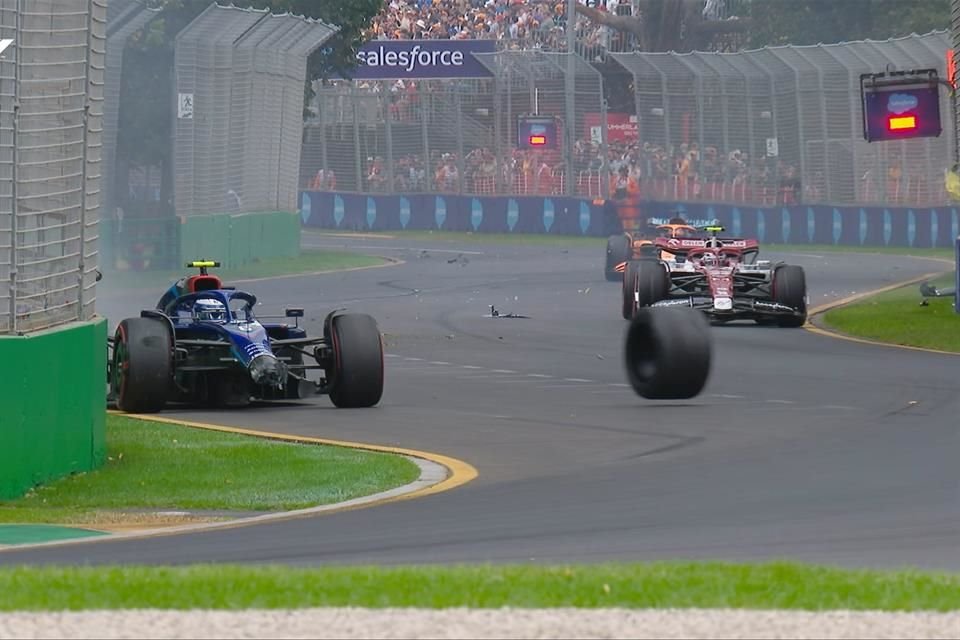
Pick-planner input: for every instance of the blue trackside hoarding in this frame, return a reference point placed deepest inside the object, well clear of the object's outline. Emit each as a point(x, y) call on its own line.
point(421, 59)
point(866, 226)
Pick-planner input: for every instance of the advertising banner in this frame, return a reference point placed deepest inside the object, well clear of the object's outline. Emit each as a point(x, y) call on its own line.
point(621, 127)
point(421, 59)
point(796, 224)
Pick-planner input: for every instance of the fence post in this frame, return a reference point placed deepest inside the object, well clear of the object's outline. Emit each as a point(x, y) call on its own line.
point(424, 127)
point(356, 136)
point(604, 149)
point(498, 136)
point(276, 197)
point(510, 134)
point(14, 173)
point(83, 171)
point(461, 161)
point(388, 132)
point(322, 114)
point(665, 101)
point(570, 124)
point(775, 128)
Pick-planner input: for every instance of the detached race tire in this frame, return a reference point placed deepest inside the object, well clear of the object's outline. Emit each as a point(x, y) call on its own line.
point(356, 372)
point(790, 289)
point(142, 365)
point(619, 249)
point(668, 353)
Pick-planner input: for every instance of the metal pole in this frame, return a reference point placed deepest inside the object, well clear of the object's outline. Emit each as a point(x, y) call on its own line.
point(828, 179)
point(534, 96)
point(13, 176)
point(388, 133)
point(604, 151)
point(358, 163)
point(498, 136)
point(283, 105)
point(956, 125)
point(569, 125)
point(322, 114)
point(461, 161)
point(83, 172)
point(424, 110)
point(510, 131)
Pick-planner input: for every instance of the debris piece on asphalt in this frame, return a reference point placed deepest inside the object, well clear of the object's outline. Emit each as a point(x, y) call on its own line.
point(495, 313)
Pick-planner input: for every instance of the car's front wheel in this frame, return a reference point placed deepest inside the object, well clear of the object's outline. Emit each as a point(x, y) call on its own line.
point(142, 365)
point(790, 289)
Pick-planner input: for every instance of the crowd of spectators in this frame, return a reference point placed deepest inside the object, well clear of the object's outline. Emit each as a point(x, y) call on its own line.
point(681, 171)
point(525, 24)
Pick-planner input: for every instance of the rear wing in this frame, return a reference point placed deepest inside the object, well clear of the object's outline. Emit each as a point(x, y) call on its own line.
point(685, 245)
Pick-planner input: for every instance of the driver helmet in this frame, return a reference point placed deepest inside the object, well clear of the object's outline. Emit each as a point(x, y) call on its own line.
point(709, 260)
point(210, 310)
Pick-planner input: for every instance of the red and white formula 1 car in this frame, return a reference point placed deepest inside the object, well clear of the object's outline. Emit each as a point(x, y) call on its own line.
point(721, 277)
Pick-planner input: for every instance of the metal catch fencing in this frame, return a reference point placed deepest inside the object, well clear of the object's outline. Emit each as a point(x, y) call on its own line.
point(775, 125)
point(239, 90)
point(457, 136)
point(782, 125)
point(51, 105)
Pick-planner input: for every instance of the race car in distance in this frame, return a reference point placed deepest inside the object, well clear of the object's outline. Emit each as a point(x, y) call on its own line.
point(721, 277)
point(203, 344)
point(636, 245)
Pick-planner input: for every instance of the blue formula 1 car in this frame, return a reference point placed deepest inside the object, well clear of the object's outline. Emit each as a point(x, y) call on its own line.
point(202, 344)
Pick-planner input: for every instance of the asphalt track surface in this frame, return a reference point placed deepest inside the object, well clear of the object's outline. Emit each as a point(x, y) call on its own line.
point(801, 447)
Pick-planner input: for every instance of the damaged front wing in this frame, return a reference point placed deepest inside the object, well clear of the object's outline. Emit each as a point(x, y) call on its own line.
point(731, 308)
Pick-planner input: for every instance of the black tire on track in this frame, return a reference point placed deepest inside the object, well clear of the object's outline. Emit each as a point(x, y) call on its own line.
point(356, 373)
point(619, 249)
point(628, 289)
point(668, 353)
point(653, 282)
point(790, 289)
point(142, 365)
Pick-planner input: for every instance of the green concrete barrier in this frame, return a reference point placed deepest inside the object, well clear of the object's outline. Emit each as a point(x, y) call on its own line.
point(239, 239)
point(52, 405)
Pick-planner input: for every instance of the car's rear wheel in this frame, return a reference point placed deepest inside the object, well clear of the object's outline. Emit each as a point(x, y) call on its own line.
point(790, 289)
point(653, 282)
point(619, 249)
point(668, 353)
point(356, 370)
point(628, 291)
point(142, 365)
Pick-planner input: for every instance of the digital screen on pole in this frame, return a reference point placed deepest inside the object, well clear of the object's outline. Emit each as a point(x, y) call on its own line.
point(898, 113)
point(536, 132)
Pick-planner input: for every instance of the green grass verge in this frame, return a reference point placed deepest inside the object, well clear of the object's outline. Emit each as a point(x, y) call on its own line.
point(309, 261)
point(896, 317)
point(581, 241)
point(168, 467)
point(681, 585)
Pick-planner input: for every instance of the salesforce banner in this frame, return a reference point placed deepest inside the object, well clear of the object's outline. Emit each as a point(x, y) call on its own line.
point(560, 215)
point(421, 59)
